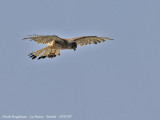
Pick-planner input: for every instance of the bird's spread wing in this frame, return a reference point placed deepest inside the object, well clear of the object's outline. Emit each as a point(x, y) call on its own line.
point(44, 39)
point(85, 40)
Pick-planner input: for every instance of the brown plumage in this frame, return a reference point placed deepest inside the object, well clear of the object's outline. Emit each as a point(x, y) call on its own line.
point(55, 44)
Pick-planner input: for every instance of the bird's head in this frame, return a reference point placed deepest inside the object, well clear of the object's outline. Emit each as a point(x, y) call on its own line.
point(72, 45)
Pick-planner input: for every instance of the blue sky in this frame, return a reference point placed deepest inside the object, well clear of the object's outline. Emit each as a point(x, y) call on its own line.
point(114, 80)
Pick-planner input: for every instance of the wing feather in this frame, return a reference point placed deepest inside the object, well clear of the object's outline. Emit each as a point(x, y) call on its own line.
point(85, 40)
point(44, 39)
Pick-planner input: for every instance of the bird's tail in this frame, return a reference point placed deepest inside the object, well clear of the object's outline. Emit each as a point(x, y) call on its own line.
point(45, 52)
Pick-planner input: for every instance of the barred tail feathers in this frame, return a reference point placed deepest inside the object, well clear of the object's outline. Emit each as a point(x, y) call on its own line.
point(37, 53)
point(45, 52)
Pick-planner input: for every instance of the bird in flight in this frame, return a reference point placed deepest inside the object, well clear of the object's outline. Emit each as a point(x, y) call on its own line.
point(55, 44)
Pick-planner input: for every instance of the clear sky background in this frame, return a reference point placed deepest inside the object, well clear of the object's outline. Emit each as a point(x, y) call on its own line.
point(115, 80)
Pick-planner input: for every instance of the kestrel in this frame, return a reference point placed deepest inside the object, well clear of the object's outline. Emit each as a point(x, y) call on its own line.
point(55, 44)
